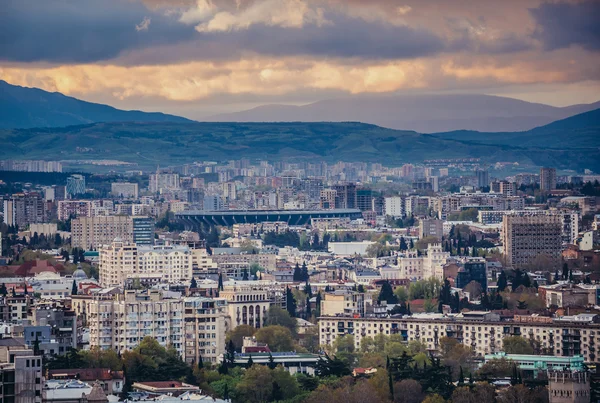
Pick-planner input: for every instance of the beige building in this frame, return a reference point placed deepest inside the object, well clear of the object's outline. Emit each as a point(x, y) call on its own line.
point(481, 331)
point(348, 302)
point(527, 237)
point(234, 264)
point(121, 321)
point(206, 324)
point(171, 263)
point(93, 232)
point(415, 267)
point(247, 305)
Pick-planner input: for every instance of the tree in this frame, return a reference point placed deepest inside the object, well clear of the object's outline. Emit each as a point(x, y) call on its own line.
point(318, 305)
point(502, 281)
point(250, 362)
point(496, 368)
point(256, 384)
point(297, 273)
point(73, 288)
point(401, 294)
point(387, 294)
point(278, 316)
point(308, 311)
point(474, 289)
point(200, 362)
point(305, 276)
point(245, 275)
point(290, 302)
point(220, 284)
point(236, 336)
point(193, 284)
point(271, 363)
point(278, 338)
point(327, 366)
point(565, 271)
point(517, 345)
point(408, 391)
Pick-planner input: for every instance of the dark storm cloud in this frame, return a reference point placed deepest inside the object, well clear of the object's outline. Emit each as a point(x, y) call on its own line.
point(80, 31)
point(560, 25)
point(87, 31)
point(341, 37)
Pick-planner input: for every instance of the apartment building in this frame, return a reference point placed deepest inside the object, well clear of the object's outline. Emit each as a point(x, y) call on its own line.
point(21, 373)
point(570, 220)
point(126, 190)
point(346, 302)
point(482, 331)
point(94, 232)
point(547, 179)
point(62, 323)
point(394, 206)
point(234, 264)
point(527, 237)
point(120, 322)
point(163, 182)
point(206, 323)
point(74, 208)
point(327, 199)
point(171, 263)
point(246, 305)
point(23, 209)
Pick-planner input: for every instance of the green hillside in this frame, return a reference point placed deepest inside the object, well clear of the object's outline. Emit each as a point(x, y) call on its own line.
point(149, 144)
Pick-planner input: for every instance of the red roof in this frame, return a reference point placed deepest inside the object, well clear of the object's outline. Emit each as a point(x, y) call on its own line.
point(257, 349)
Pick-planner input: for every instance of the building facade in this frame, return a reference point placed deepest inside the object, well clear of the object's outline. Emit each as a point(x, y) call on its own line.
point(527, 237)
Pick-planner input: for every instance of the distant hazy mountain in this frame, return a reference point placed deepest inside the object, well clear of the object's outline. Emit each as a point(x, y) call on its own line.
point(570, 144)
point(579, 131)
point(22, 107)
point(421, 113)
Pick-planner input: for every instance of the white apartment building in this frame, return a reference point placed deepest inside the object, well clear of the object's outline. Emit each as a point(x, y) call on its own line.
point(481, 331)
point(172, 263)
point(122, 321)
point(207, 322)
point(163, 182)
point(394, 206)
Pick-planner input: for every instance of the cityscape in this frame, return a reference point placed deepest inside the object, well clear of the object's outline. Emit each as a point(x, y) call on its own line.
point(299, 201)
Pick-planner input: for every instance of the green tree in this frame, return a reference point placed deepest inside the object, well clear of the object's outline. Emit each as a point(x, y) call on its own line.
point(236, 336)
point(278, 338)
point(256, 385)
point(516, 345)
point(74, 288)
point(281, 317)
point(290, 302)
point(387, 294)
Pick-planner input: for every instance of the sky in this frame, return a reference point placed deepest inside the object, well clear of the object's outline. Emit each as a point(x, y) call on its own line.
point(201, 57)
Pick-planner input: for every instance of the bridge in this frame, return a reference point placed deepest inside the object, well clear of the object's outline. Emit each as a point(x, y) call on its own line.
point(192, 220)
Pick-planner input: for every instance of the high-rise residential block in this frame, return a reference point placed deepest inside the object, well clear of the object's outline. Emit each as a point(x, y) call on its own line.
point(94, 232)
point(206, 323)
point(23, 209)
point(431, 228)
point(525, 238)
point(120, 322)
point(547, 179)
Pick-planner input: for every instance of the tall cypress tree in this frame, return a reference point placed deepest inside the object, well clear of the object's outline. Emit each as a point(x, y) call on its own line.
point(73, 288)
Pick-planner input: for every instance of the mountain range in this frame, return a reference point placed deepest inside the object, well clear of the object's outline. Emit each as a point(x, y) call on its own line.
point(573, 143)
point(22, 107)
point(421, 113)
point(148, 139)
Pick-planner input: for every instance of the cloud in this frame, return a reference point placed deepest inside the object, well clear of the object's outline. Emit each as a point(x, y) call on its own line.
point(82, 31)
point(143, 26)
point(561, 25)
point(278, 13)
